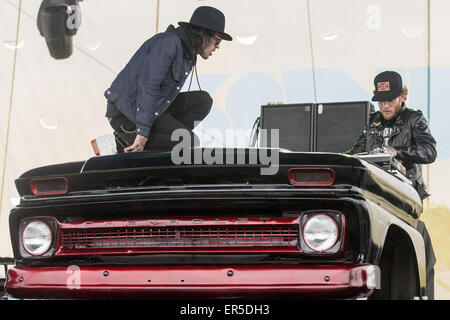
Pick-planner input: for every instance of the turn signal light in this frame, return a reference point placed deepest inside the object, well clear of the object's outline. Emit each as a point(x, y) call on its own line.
point(314, 177)
point(49, 186)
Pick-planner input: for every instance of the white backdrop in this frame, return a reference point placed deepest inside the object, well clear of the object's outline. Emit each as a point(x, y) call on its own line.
point(288, 51)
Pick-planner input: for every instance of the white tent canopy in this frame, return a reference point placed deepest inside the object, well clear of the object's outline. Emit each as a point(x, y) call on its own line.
point(289, 51)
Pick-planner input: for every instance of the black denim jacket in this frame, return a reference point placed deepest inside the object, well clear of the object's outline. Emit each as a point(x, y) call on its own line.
point(153, 78)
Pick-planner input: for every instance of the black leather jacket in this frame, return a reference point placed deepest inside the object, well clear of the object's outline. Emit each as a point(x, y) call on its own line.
point(411, 138)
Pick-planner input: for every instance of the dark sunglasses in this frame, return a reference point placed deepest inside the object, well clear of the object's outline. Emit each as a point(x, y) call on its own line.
point(217, 40)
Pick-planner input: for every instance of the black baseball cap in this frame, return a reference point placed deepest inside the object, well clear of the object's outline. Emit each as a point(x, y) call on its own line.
point(388, 86)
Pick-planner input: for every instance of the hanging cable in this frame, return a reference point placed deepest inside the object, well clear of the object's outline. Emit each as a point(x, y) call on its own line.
point(196, 76)
point(190, 83)
point(428, 87)
point(312, 52)
point(185, 101)
point(255, 133)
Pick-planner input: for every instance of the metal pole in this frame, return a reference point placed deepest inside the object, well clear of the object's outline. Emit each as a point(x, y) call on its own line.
point(429, 62)
point(11, 94)
point(312, 51)
point(427, 202)
point(157, 16)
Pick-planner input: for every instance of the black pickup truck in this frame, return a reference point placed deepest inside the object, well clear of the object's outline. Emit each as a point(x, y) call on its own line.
point(136, 225)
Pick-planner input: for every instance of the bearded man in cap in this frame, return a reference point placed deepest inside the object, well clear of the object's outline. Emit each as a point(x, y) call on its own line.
point(145, 104)
point(404, 134)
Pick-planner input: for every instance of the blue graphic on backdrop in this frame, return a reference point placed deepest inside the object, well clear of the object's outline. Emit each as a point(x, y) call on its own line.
point(250, 92)
point(298, 86)
point(440, 111)
point(336, 85)
point(418, 90)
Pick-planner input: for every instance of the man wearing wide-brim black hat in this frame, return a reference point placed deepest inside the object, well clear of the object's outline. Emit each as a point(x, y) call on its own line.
point(145, 104)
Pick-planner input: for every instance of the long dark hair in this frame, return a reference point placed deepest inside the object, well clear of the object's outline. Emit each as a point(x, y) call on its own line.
point(200, 37)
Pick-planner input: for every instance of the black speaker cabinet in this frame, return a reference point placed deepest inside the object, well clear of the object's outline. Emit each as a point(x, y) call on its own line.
point(338, 125)
point(322, 127)
point(294, 122)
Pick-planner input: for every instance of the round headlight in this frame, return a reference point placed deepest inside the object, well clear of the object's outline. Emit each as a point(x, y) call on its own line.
point(320, 232)
point(37, 238)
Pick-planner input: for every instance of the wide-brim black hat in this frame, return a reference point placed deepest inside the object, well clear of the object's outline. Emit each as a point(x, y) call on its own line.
point(209, 18)
point(388, 86)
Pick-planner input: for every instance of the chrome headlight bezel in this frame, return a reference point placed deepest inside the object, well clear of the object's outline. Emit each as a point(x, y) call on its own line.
point(47, 224)
point(336, 221)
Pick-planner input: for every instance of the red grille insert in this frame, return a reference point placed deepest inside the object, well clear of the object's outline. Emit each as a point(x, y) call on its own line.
point(243, 235)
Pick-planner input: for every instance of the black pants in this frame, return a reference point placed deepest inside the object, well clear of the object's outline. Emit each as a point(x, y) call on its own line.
point(187, 109)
